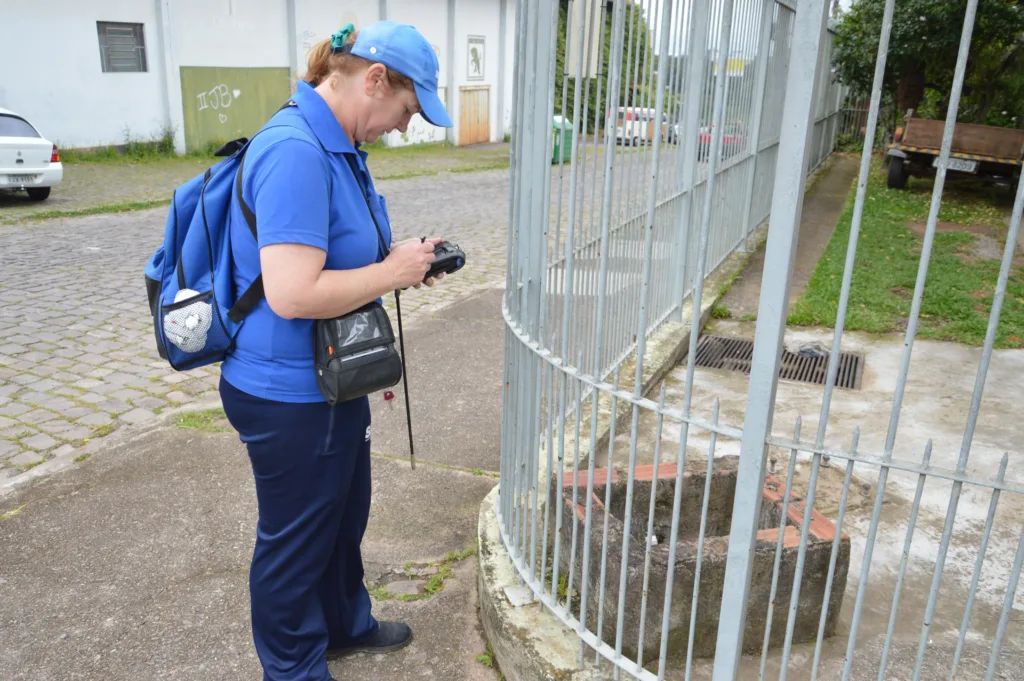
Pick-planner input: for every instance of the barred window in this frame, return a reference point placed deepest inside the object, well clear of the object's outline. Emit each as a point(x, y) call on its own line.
point(122, 47)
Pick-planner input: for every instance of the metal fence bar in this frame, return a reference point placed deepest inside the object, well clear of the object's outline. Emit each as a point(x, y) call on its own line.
point(700, 540)
point(976, 578)
point(836, 540)
point(787, 203)
point(578, 413)
point(798, 572)
point(858, 215)
point(911, 524)
point(607, 516)
point(650, 529)
point(761, 80)
point(536, 271)
point(567, 307)
point(777, 566)
point(590, 272)
point(598, 338)
point(700, 22)
point(1004, 617)
point(543, 280)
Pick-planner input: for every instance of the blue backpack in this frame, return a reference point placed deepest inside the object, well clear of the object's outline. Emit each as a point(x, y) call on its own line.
point(196, 310)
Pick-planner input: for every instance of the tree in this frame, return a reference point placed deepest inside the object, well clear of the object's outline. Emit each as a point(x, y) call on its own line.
point(635, 14)
point(923, 51)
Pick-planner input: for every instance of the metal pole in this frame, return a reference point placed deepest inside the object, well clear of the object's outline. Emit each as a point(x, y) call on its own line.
point(609, 175)
point(760, 81)
point(787, 204)
point(696, 49)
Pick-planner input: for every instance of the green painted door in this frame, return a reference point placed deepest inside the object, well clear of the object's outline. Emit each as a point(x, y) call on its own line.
point(222, 104)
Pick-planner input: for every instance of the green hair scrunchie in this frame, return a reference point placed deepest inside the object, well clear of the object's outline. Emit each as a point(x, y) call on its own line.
point(339, 37)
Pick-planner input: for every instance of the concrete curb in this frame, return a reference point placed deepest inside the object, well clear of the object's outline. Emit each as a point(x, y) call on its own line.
point(529, 642)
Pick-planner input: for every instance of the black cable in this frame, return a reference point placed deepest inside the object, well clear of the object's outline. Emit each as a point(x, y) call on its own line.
point(405, 380)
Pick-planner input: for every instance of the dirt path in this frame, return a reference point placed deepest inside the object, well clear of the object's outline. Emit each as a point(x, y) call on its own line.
point(822, 208)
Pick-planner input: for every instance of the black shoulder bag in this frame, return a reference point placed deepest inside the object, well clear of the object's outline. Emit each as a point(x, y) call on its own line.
point(354, 354)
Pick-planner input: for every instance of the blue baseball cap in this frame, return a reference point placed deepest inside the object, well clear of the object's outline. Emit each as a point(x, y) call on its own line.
point(404, 49)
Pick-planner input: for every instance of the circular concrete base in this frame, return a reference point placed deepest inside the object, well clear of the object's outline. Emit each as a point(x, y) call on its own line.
point(528, 641)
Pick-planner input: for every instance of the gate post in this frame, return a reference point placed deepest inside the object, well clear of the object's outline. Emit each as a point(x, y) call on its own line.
point(784, 226)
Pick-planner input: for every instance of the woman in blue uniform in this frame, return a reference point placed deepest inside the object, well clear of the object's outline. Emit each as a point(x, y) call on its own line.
point(318, 252)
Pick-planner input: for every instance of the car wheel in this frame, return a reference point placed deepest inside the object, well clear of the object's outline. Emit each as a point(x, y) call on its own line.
point(38, 193)
point(897, 177)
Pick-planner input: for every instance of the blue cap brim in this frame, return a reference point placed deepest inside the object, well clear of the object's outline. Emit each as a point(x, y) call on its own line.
point(432, 109)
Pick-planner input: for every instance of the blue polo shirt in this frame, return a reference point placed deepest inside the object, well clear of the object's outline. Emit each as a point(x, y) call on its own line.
point(303, 191)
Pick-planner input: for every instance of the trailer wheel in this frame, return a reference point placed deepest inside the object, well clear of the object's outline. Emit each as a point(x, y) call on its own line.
point(897, 178)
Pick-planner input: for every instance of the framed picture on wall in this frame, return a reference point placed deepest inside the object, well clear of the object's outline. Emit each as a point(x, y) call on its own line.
point(475, 52)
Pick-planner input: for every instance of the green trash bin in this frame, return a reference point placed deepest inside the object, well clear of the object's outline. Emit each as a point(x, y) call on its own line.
point(565, 136)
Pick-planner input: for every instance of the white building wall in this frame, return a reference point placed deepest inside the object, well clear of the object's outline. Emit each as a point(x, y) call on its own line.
point(478, 18)
point(92, 108)
point(317, 20)
point(234, 34)
point(430, 18)
point(52, 73)
point(510, 60)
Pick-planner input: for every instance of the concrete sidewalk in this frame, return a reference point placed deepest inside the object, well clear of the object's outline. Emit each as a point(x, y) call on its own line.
point(134, 564)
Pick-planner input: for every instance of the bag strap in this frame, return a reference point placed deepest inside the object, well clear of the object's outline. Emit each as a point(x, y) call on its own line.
point(382, 244)
point(383, 248)
point(248, 301)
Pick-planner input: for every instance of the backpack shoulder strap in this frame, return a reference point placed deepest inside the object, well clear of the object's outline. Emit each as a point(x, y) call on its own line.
point(255, 293)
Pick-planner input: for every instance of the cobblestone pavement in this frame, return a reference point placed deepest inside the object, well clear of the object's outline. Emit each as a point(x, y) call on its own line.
point(93, 186)
point(77, 356)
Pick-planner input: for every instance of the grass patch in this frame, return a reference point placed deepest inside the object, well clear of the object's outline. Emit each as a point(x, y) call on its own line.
point(119, 207)
point(720, 312)
point(748, 318)
point(82, 457)
point(101, 431)
point(210, 421)
point(135, 149)
point(563, 588)
point(7, 515)
point(381, 594)
point(487, 659)
point(434, 585)
point(959, 288)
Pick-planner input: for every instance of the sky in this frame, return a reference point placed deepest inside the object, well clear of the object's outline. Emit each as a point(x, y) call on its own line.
point(744, 44)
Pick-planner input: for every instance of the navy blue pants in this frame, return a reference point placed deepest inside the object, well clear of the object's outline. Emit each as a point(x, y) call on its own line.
point(312, 468)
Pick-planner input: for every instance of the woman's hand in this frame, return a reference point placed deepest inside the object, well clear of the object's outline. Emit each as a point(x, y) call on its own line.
point(409, 261)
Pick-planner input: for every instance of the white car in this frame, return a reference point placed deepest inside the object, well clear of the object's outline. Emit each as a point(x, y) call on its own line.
point(27, 160)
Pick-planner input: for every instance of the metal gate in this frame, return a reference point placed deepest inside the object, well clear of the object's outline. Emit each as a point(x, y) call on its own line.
point(616, 245)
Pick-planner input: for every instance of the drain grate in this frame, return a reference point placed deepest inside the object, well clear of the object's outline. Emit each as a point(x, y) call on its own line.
point(735, 354)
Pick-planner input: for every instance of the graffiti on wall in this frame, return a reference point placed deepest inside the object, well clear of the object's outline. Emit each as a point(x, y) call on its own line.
point(211, 107)
point(219, 97)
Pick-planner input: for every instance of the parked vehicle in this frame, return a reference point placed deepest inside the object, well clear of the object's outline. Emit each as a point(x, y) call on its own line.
point(734, 140)
point(985, 151)
point(636, 126)
point(28, 161)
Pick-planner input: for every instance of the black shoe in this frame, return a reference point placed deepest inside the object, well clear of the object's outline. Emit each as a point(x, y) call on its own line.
point(390, 636)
